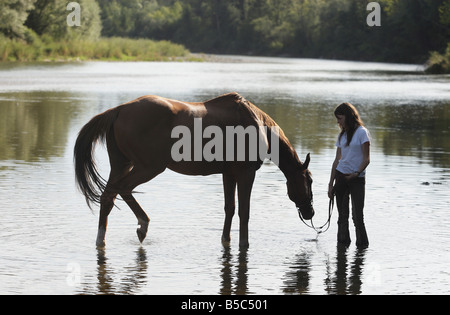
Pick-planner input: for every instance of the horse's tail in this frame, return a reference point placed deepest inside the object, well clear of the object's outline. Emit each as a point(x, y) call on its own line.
point(89, 181)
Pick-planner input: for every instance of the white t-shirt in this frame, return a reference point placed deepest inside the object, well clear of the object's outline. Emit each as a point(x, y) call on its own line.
point(352, 155)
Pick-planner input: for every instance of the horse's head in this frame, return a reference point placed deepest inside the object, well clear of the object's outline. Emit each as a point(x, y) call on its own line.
point(300, 190)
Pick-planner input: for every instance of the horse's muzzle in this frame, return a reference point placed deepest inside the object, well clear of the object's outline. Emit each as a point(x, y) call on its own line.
point(307, 213)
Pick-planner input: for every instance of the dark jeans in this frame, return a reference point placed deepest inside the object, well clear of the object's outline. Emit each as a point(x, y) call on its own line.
point(343, 189)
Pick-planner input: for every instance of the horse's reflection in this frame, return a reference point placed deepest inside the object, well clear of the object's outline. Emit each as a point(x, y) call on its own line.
point(342, 276)
point(298, 277)
point(236, 270)
point(107, 282)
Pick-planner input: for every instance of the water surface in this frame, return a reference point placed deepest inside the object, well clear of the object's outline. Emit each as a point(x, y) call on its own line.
point(47, 233)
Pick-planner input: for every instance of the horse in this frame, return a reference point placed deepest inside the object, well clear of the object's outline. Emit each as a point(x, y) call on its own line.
point(140, 142)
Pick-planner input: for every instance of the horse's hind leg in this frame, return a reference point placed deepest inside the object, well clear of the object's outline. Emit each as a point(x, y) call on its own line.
point(120, 167)
point(137, 176)
point(143, 219)
point(108, 197)
point(106, 205)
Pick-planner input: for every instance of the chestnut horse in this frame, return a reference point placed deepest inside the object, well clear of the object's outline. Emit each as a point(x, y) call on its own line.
point(139, 140)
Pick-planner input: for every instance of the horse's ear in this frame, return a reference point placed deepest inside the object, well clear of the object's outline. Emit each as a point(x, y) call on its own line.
point(308, 159)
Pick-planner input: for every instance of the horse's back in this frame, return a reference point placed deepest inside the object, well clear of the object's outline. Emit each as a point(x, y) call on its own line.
point(231, 105)
point(144, 126)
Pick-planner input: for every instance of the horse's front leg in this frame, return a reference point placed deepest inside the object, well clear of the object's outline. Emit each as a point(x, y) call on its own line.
point(229, 187)
point(245, 185)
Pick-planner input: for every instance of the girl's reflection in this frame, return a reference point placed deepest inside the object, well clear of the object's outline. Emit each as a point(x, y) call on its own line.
point(343, 277)
point(347, 279)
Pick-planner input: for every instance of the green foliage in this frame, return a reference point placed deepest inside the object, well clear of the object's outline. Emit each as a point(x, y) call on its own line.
point(13, 14)
point(113, 49)
point(307, 28)
point(50, 17)
point(37, 30)
point(439, 63)
point(304, 28)
point(444, 13)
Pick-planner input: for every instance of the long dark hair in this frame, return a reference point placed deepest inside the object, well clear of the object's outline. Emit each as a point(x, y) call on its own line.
point(352, 120)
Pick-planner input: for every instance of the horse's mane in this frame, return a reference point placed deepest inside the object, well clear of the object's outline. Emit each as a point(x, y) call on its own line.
point(247, 106)
point(265, 120)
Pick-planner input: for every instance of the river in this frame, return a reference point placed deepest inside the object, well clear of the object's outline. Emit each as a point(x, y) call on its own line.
point(47, 232)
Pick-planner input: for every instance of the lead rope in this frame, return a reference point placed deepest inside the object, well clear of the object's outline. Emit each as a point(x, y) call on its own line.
point(321, 229)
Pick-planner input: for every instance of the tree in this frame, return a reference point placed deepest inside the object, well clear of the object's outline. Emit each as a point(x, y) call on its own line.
point(119, 17)
point(91, 24)
point(50, 17)
point(13, 14)
point(158, 22)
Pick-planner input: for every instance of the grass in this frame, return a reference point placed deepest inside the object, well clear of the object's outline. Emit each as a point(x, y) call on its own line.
point(106, 49)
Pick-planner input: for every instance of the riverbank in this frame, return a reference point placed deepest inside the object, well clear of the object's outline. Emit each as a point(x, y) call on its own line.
point(45, 49)
point(104, 49)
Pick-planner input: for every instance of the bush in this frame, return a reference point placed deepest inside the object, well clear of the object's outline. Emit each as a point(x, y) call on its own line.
point(438, 63)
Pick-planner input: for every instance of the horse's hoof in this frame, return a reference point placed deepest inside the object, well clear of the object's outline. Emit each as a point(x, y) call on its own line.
point(141, 235)
point(100, 242)
point(226, 241)
point(244, 245)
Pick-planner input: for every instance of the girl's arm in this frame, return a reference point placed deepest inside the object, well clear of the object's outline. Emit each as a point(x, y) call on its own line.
point(333, 172)
point(366, 157)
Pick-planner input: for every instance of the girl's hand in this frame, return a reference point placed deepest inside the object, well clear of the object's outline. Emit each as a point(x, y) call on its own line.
point(330, 191)
point(351, 176)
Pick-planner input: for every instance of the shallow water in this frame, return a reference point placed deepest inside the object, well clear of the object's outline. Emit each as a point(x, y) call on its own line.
point(47, 233)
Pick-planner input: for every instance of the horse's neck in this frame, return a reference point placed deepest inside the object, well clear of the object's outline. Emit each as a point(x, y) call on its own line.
point(288, 158)
point(289, 161)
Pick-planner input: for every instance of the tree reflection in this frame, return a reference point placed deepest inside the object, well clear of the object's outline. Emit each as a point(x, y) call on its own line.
point(34, 126)
point(419, 130)
point(413, 130)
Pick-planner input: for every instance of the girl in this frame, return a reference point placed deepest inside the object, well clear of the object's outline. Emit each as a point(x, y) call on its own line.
point(348, 173)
